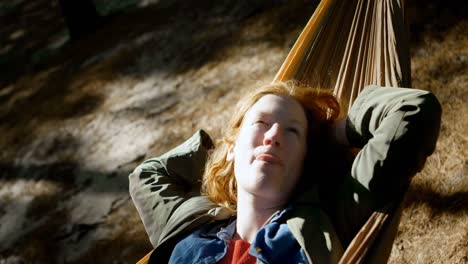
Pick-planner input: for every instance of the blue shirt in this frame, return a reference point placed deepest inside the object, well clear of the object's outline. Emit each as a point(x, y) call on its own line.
point(273, 243)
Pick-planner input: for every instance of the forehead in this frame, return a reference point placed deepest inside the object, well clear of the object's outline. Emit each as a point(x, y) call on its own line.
point(280, 106)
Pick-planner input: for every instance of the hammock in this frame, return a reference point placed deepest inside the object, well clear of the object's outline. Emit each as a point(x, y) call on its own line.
point(345, 46)
point(350, 44)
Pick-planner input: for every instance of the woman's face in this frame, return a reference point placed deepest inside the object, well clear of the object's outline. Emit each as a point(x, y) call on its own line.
point(270, 148)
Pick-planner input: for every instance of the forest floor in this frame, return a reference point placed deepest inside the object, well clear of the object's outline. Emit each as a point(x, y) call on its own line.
point(76, 117)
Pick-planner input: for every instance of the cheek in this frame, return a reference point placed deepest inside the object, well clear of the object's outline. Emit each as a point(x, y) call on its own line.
point(249, 137)
point(297, 160)
point(242, 150)
point(297, 148)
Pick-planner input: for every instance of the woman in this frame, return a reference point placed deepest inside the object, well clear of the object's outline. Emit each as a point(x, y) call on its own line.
point(267, 193)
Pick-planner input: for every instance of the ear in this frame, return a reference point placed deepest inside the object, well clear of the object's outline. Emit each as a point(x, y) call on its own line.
point(230, 153)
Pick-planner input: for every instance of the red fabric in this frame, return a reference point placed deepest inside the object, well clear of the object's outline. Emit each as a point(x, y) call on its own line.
point(238, 253)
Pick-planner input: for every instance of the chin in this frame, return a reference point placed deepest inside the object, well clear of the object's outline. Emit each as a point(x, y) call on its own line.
point(266, 168)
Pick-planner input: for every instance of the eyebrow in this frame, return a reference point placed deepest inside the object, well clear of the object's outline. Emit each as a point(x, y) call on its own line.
point(295, 120)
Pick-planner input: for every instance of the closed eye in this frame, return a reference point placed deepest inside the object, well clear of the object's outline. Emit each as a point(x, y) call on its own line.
point(260, 122)
point(293, 130)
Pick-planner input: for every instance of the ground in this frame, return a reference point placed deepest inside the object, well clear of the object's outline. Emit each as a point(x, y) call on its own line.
point(76, 117)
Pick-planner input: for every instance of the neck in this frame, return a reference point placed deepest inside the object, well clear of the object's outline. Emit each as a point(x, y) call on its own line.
point(252, 214)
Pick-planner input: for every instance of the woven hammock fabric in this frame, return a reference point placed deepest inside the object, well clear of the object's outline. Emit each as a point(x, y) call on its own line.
point(348, 44)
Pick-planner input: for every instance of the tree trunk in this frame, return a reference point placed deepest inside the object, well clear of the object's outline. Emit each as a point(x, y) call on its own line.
point(80, 16)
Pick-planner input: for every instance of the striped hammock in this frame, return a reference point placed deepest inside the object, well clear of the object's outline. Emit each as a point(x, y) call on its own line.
point(349, 44)
point(346, 45)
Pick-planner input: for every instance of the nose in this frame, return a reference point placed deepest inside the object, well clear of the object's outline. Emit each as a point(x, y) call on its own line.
point(273, 136)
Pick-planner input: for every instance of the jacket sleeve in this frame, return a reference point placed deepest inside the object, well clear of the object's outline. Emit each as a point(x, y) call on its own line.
point(160, 185)
point(396, 129)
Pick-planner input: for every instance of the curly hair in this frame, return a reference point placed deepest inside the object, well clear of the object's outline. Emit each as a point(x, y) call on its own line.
point(321, 108)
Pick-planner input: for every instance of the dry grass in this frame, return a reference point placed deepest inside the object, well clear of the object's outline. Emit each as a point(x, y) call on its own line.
point(434, 225)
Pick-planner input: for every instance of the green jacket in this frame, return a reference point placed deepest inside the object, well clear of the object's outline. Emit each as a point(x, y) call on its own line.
point(396, 129)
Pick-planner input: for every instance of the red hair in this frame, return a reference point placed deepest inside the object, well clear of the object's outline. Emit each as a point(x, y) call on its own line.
point(321, 108)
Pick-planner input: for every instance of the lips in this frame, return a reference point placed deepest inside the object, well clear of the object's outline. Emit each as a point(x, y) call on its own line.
point(268, 158)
